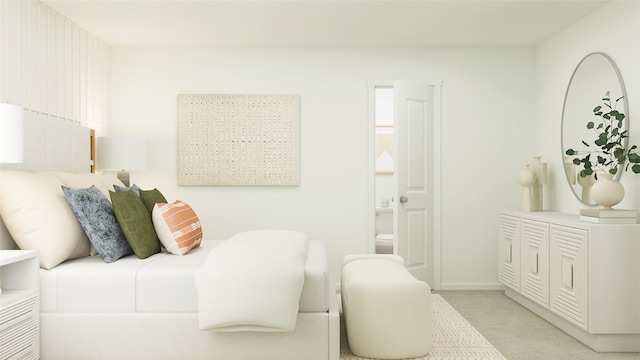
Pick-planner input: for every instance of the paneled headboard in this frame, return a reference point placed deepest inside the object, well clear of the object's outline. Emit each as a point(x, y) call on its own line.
point(50, 144)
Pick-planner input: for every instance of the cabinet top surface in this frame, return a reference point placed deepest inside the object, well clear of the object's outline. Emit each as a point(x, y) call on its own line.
point(12, 256)
point(547, 215)
point(562, 218)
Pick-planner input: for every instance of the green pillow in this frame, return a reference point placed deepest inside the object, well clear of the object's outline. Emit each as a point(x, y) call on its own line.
point(135, 222)
point(150, 198)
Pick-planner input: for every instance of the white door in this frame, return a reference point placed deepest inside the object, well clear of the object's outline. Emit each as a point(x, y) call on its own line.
point(414, 131)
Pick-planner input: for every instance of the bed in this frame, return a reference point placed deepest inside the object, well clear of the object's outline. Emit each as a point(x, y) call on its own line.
point(147, 309)
point(133, 308)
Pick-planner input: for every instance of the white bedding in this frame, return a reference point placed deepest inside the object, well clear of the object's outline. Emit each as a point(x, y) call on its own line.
point(260, 275)
point(162, 283)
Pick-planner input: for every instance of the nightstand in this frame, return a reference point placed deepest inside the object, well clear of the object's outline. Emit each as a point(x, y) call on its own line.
point(19, 305)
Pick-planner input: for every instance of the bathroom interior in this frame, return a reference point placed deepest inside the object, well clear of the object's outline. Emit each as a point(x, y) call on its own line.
point(384, 178)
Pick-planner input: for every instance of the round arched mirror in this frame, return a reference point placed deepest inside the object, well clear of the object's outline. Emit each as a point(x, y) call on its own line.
point(595, 76)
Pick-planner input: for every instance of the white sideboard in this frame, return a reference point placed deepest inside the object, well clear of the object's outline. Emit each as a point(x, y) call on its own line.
point(584, 278)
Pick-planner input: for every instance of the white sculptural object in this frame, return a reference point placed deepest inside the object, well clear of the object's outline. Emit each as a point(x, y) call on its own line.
point(586, 183)
point(570, 170)
point(527, 179)
point(540, 169)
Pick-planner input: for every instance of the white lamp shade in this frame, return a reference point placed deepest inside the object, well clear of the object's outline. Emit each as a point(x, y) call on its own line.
point(11, 133)
point(122, 153)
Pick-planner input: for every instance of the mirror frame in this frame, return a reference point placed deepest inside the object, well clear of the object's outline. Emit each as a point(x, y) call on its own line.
point(563, 118)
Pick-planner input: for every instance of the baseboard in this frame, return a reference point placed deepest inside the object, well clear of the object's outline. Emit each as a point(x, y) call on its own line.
point(471, 286)
point(458, 286)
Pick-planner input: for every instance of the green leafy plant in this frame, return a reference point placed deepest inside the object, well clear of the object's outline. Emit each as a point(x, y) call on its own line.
point(608, 153)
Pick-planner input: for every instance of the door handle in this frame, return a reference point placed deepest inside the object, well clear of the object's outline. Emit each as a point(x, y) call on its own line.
point(404, 199)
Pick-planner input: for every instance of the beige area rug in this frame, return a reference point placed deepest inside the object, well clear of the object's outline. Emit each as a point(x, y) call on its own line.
point(452, 338)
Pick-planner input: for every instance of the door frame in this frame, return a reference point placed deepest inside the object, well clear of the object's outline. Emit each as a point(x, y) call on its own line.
point(436, 83)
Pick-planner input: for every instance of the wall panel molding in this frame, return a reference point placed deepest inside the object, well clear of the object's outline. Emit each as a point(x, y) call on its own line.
point(51, 66)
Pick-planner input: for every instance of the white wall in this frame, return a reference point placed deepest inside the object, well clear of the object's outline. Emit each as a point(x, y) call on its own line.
point(487, 122)
point(615, 30)
point(59, 74)
point(500, 106)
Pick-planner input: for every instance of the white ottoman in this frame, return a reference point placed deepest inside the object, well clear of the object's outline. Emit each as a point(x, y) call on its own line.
point(387, 311)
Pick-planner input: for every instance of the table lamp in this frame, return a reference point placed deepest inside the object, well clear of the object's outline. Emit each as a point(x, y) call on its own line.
point(11, 134)
point(123, 154)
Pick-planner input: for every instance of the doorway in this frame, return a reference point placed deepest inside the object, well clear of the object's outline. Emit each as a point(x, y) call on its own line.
point(384, 155)
point(404, 158)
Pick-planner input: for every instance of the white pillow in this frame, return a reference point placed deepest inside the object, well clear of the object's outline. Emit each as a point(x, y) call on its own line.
point(38, 217)
point(178, 227)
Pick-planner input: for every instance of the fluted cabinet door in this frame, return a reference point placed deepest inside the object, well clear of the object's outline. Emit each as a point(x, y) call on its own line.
point(509, 251)
point(569, 273)
point(534, 261)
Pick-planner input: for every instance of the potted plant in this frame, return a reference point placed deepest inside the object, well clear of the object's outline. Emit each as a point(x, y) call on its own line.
point(609, 153)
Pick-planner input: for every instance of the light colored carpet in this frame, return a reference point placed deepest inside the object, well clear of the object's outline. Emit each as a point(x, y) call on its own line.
point(452, 338)
point(518, 333)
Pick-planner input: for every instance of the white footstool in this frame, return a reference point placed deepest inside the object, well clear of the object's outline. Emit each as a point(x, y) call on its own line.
point(387, 311)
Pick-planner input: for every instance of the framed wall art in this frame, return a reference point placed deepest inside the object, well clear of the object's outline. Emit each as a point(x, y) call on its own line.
point(238, 139)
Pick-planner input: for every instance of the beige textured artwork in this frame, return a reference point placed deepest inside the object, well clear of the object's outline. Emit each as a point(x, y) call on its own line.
point(238, 139)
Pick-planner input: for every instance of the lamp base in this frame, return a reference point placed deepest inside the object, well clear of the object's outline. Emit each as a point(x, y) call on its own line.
point(124, 177)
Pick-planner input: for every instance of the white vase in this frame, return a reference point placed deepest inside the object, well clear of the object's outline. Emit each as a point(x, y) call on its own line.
point(570, 170)
point(586, 183)
point(527, 179)
point(540, 169)
point(607, 192)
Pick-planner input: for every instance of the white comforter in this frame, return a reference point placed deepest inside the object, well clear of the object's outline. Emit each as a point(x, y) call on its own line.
point(252, 282)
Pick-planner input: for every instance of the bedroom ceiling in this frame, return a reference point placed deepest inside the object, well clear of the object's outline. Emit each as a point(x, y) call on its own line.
point(324, 23)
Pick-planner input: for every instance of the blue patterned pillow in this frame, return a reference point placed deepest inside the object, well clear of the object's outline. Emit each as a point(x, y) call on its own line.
point(95, 214)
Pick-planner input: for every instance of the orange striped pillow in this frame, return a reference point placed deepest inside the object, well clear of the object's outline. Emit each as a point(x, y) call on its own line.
point(177, 226)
